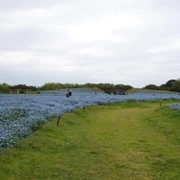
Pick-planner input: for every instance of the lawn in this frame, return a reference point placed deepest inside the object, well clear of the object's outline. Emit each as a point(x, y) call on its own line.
point(125, 141)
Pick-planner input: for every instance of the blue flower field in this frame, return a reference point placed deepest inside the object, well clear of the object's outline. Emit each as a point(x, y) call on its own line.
point(21, 114)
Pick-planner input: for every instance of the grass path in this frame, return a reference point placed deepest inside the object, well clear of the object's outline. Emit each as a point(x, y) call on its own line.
point(126, 141)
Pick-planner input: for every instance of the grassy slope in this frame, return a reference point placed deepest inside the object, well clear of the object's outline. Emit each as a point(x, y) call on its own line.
point(138, 90)
point(128, 141)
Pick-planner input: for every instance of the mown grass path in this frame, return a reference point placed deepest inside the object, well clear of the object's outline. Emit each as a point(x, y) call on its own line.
point(125, 141)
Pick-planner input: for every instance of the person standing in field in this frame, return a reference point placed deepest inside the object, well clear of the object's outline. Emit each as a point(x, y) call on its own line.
point(68, 93)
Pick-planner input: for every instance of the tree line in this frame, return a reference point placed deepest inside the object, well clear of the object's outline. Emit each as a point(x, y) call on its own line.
point(105, 87)
point(171, 85)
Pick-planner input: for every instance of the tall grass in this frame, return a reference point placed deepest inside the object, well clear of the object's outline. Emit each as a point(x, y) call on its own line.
point(128, 141)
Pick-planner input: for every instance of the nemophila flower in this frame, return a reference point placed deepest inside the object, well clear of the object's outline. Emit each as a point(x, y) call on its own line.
point(21, 114)
point(175, 106)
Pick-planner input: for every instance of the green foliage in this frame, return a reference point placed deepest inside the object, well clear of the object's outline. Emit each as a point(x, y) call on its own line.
point(175, 86)
point(55, 86)
point(4, 88)
point(171, 85)
point(34, 88)
point(152, 87)
point(106, 87)
point(163, 87)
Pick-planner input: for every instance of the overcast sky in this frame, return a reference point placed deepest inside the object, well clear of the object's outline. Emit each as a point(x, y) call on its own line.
point(135, 42)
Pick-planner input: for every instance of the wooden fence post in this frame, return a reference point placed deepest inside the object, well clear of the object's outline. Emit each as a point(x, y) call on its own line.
point(58, 120)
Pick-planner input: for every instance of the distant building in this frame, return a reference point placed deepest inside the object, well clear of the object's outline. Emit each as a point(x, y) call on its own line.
point(20, 89)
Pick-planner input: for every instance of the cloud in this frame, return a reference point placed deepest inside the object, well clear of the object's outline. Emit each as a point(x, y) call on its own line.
point(168, 45)
point(118, 41)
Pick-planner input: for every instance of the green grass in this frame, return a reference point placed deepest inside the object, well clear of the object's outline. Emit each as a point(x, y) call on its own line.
point(125, 141)
point(140, 90)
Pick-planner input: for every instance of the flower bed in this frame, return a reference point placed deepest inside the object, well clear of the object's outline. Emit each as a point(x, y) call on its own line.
point(175, 106)
point(20, 115)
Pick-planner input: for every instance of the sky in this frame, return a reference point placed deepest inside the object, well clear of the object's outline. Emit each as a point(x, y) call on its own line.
point(131, 42)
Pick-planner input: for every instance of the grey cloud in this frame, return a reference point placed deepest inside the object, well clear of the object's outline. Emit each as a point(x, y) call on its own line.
point(19, 39)
point(21, 4)
point(166, 5)
point(49, 36)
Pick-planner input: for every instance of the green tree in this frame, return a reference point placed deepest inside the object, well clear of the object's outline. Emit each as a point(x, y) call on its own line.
point(4, 88)
point(170, 83)
point(175, 86)
point(163, 87)
point(151, 86)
